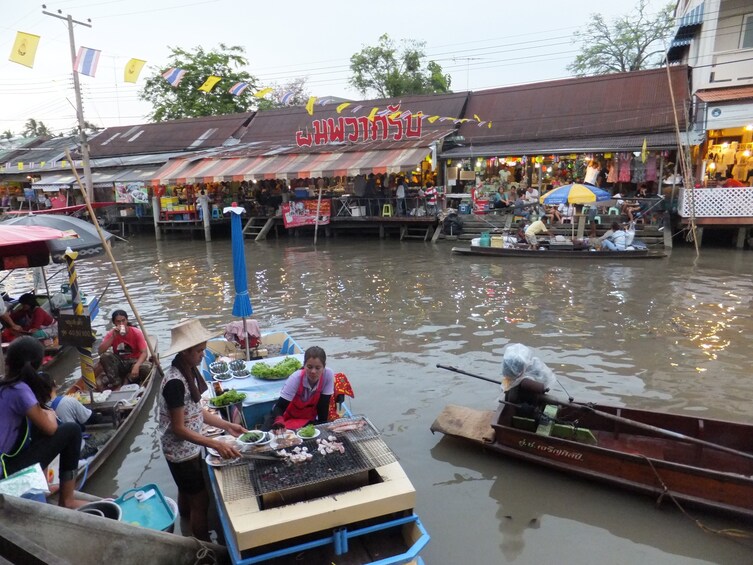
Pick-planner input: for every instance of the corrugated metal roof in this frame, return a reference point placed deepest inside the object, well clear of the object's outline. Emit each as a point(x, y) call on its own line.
point(594, 144)
point(39, 150)
point(725, 94)
point(106, 176)
point(608, 105)
point(163, 137)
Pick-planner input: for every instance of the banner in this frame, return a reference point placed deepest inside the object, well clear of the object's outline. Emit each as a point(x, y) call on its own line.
point(24, 49)
point(86, 61)
point(133, 70)
point(131, 193)
point(303, 213)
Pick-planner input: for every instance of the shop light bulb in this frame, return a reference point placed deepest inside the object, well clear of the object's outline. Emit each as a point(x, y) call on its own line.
point(712, 166)
point(749, 127)
point(725, 145)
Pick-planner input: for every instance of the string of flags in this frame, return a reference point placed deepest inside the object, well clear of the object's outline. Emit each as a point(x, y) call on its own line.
point(25, 48)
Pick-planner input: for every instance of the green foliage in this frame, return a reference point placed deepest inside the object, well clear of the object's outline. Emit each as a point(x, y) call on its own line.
point(632, 42)
point(185, 101)
point(274, 99)
point(7, 134)
point(33, 128)
point(227, 398)
point(390, 71)
point(276, 372)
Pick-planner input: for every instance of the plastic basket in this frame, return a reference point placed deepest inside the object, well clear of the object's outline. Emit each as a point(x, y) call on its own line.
point(154, 513)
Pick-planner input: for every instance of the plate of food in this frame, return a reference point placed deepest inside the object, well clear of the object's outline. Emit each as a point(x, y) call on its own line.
point(218, 367)
point(211, 431)
point(253, 437)
point(241, 374)
point(222, 376)
point(216, 461)
point(287, 438)
point(308, 432)
point(237, 365)
point(230, 440)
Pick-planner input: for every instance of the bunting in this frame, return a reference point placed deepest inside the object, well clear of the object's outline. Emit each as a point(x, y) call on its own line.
point(174, 76)
point(342, 107)
point(644, 151)
point(133, 70)
point(287, 97)
point(24, 49)
point(263, 92)
point(310, 105)
point(86, 61)
point(210, 83)
point(238, 88)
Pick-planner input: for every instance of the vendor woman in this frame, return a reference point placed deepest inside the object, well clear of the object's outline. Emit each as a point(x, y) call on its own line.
point(305, 397)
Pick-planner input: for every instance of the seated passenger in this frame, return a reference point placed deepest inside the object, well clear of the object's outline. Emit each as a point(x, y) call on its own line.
point(67, 408)
point(305, 397)
point(617, 241)
point(30, 318)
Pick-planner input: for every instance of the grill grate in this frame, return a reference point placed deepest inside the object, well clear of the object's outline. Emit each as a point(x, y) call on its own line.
point(364, 450)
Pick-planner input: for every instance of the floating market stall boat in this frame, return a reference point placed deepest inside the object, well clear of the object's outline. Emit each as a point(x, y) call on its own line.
point(561, 252)
point(348, 502)
point(689, 459)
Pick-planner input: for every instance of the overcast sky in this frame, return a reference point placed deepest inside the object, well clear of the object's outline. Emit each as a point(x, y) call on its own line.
point(482, 44)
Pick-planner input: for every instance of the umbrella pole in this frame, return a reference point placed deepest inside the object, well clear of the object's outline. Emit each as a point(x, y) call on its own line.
point(245, 338)
point(149, 343)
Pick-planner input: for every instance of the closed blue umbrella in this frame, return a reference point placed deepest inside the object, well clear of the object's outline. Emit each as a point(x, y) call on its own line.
point(242, 303)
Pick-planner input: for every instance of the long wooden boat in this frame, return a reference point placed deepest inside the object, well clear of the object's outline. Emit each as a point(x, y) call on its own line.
point(119, 411)
point(31, 532)
point(695, 461)
point(544, 253)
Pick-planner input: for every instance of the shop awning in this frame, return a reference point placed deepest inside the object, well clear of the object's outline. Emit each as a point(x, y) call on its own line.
point(592, 145)
point(293, 165)
point(691, 20)
point(61, 180)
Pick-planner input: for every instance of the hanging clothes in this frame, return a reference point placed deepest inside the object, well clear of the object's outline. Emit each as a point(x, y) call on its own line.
point(624, 174)
point(651, 168)
point(612, 169)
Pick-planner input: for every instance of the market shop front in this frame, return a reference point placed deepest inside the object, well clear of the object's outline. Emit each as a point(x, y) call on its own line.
point(547, 134)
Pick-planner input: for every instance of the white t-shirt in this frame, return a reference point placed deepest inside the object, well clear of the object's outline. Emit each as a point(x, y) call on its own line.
point(400, 192)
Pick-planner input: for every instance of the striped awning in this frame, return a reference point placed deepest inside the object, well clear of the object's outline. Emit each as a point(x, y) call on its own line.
point(291, 166)
point(692, 19)
point(102, 177)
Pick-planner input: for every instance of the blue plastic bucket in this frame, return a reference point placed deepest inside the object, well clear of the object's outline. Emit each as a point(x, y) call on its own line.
point(153, 512)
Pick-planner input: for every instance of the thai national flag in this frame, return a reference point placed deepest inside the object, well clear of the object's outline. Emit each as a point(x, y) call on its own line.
point(86, 61)
point(174, 76)
point(286, 98)
point(237, 88)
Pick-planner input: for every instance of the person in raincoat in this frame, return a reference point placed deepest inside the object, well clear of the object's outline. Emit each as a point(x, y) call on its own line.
point(305, 397)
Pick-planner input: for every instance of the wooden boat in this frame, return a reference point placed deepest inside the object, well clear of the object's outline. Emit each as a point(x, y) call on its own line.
point(119, 411)
point(353, 516)
point(695, 461)
point(564, 253)
point(32, 532)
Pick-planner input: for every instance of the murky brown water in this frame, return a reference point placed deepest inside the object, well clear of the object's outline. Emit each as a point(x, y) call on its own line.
point(672, 335)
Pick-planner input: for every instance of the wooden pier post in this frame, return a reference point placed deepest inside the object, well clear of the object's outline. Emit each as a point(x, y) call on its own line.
point(207, 216)
point(155, 213)
point(741, 233)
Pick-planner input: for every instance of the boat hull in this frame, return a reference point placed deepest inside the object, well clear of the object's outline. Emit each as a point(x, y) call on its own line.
point(561, 254)
point(626, 457)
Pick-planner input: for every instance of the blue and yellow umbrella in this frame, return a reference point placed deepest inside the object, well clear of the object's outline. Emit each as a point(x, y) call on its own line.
point(575, 193)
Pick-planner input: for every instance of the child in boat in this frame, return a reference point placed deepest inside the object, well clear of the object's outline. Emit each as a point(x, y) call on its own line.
point(305, 397)
point(67, 408)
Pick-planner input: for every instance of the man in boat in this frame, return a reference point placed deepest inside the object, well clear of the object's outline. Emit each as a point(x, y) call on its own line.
point(28, 319)
point(536, 228)
point(617, 241)
point(7, 320)
point(126, 363)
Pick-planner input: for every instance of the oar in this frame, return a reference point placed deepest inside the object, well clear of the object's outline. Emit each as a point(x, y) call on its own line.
point(621, 419)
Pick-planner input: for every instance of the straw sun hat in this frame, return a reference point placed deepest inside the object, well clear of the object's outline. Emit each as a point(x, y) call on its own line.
point(187, 334)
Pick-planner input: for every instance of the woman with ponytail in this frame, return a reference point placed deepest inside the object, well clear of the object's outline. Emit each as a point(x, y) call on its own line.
point(29, 432)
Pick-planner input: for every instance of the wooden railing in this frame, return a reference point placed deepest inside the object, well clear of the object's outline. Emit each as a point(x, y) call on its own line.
point(716, 202)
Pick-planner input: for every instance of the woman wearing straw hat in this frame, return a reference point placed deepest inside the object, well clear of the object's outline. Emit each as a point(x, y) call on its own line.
point(181, 417)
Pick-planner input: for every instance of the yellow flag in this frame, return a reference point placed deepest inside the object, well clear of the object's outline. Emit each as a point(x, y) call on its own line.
point(432, 119)
point(209, 83)
point(489, 125)
point(342, 107)
point(20, 166)
point(475, 117)
point(263, 92)
point(24, 49)
point(644, 151)
point(133, 70)
point(310, 105)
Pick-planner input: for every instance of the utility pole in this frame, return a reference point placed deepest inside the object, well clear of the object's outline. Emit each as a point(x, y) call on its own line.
point(79, 104)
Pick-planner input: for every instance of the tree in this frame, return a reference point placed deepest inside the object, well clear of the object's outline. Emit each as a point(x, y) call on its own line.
point(390, 72)
point(185, 100)
point(33, 128)
point(631, 43)
point(292, 93)
point(88, 127)
point(7, 134)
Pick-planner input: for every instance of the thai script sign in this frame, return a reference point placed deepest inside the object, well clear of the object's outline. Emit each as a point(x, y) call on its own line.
point(303, 213)
point(551, 450)
point(75, 330)
point(388, 124)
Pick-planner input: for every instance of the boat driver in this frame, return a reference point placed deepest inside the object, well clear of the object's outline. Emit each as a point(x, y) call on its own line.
point(126, 363)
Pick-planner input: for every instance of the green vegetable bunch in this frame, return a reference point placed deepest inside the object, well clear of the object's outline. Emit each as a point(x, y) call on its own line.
point(307, 431)
point(251, 437)
point(277, 372)
point(228, 397)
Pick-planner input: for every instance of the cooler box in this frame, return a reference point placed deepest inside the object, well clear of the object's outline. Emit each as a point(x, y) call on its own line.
point(464, 208)
point(497, 241)
point(146, 507)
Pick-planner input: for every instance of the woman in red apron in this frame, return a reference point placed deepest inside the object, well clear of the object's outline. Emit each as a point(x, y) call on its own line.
point(306, 394)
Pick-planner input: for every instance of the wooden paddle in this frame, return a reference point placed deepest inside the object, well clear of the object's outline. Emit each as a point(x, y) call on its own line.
point(615, 418)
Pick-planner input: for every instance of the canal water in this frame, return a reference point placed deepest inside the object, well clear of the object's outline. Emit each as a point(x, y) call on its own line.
point(674, 335)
